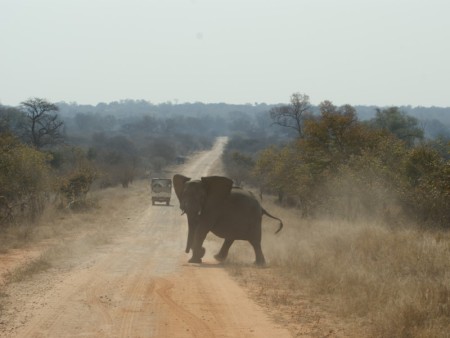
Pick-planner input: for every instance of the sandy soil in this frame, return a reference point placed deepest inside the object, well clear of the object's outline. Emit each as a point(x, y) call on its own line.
point(137, 285)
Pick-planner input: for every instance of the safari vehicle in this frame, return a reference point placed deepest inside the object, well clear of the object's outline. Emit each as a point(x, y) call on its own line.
point(161, 190)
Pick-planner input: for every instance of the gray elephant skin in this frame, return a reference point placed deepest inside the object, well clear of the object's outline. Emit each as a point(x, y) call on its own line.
point(213, 204)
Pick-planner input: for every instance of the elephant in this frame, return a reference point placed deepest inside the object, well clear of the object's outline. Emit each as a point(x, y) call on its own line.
point(213, 204)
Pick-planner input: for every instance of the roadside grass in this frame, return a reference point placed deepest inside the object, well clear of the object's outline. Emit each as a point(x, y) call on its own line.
point(53, 223)
point(384, 282)
point(60, 234)
point(58, 252)
point(34, 266)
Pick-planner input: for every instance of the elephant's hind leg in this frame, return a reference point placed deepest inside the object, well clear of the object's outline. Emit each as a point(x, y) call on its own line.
point(260, 260)
point(223, 253)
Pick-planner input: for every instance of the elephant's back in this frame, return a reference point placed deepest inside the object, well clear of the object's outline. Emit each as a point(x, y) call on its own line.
point(244, 200)
point(241, 216)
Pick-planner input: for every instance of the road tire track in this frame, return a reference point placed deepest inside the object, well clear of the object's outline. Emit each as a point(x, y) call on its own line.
point(198, 328)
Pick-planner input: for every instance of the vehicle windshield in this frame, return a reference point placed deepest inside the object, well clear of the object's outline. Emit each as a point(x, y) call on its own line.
point(163, 183)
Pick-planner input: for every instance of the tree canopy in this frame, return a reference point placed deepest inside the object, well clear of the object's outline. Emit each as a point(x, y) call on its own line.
point(294, 114)
point(400, 124)
point(42, 127)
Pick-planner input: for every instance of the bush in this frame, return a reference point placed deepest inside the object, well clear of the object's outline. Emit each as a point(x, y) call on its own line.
point(76, 186)
point(427, 194)
point(24, 180)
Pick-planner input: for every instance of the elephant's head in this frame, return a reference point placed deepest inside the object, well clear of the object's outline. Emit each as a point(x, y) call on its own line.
point(201, 199)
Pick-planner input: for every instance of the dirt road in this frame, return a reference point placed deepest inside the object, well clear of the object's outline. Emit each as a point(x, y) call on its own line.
point(139, 285)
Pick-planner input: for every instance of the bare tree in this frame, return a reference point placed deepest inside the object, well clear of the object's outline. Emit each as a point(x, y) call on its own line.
point(43, 126)
point(292, 115)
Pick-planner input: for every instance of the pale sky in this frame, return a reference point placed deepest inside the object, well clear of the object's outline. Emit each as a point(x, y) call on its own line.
point(369, 52)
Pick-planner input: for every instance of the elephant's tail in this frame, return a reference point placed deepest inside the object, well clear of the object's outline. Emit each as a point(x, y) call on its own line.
point(264, 212)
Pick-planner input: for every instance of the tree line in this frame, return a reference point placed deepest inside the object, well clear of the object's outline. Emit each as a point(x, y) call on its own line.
point(336, 164)
point(47, 155)
point(298, 151)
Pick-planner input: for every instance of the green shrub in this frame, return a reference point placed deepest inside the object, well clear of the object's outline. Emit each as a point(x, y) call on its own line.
point(427, 194)
point(24, 180)
point(76, 185)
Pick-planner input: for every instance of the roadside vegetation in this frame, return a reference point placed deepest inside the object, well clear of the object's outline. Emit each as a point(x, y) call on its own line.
point(60, 235)
point(367, 219)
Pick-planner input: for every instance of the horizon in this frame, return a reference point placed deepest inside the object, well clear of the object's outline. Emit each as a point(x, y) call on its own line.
point(254, 104)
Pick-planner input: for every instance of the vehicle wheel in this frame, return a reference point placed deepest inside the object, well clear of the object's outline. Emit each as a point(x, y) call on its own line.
point(157, 187)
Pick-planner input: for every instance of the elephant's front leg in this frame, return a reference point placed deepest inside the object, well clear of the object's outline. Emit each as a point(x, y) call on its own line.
point(223, 253)
point(198, 251)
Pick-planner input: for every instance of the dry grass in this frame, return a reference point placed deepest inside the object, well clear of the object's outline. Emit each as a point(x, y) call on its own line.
point(36, 265)
point(61, 234)
point(389, 283)
point(349, 279)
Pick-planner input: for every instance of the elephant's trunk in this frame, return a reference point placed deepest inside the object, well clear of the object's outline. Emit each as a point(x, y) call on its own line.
point(189, 242)
point(190, 238)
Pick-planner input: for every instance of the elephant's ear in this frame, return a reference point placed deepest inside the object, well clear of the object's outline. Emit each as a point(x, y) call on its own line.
point(178, 184)
point(217, 187)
